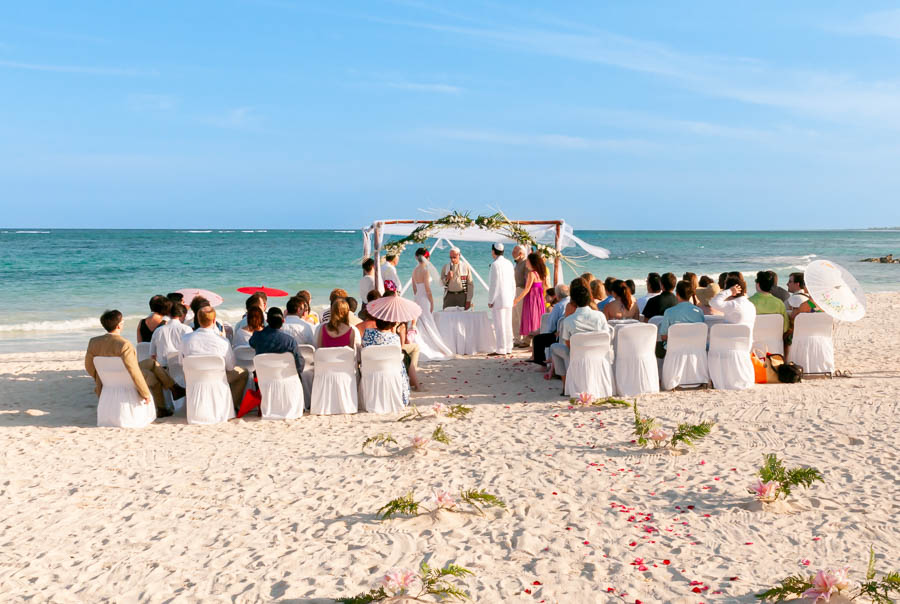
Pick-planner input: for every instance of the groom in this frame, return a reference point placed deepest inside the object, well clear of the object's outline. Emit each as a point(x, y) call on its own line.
point(501, 295)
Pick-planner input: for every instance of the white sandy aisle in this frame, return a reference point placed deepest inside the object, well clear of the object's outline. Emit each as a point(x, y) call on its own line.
point(284, 511)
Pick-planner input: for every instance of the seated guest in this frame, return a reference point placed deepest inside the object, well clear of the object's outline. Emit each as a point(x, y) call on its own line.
point(723, 277)
point(175, 297)
point(159, 308)
point(300, 330)
point(114, 345)
point(207, 341)
point(704, 295)
point(733, 303)
point(383, 335)
point(336, 332)
point(584, 319)
point(609, 299)
point(658, 304)
point(683, 312)
point(764, 301)
point(588, 278)
point(335, 294)
point(549, 298)
point(275, 341)
point(254, 321)
point(695, 284)
point(778, 291)
point(166, 339)
point(598, 292)
point(196, 304)
point(258, 300)
point(654, 287)
point(368, 321)
point(542, 341)
point(631, 287)
point(799, 301)
point(309, 315)
point(704, 281)
point(623, 306)
point(410, 355)
point(367, 283)
point(354, 305)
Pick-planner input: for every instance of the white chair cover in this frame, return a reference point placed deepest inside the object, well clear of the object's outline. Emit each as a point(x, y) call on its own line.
point(120, 405)
point(382, 379)
point(813, 345)
point(545, 323)
point(768, 334)
point(637, 371)
point(657, 321)
point(590, 365)
point(730, 367)
point(279, 385)
point(176, 372)
point(309, 371)
point(334, 388)
point(243, 357)
point(208, 395)
point(143, 351)
point(686, 361)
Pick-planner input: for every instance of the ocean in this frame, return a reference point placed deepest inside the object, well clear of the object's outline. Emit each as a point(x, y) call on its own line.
point(56, 283)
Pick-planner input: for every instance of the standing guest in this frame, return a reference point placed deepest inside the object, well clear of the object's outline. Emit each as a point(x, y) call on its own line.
point(584, 319)
point(598, 292)
point(389, 272)
point(654, 287)
point(335, 294)
point(543, 340)
point(657, 305)
point(167, 338)
point(206, 341)
point(532, 298)
point(254, 321)
point(778, 291)
point(733, 303)
point(521, 274)
point(457, 279)
point(275, 341)
point(695, 284)
point(112, 344)
point(501, 299)
point(683, 312)
point(159, 308)
point(383, 335)
point(300, 330)
point(765, 302)
point(367, 282)
point(623, 306)
point(705, 294)
point(336, 332)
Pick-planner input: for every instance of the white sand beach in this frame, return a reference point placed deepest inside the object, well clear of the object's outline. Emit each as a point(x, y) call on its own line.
point(260, 511)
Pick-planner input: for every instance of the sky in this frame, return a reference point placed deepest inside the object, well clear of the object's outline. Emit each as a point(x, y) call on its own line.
point(292, 114)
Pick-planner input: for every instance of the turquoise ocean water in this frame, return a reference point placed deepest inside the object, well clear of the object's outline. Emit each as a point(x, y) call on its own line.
point(55, 283)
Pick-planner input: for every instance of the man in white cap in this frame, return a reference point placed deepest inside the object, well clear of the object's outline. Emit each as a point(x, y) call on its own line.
point(501, 295)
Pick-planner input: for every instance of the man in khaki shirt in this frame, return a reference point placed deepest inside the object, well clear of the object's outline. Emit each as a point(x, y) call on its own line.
point(114, 345)
point(521, 276)
point(457, 279)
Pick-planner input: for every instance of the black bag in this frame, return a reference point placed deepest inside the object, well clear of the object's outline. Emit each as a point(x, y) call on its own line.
point(790, 373)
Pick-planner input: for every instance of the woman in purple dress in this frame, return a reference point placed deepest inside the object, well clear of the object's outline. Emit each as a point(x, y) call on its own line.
point(533, 295)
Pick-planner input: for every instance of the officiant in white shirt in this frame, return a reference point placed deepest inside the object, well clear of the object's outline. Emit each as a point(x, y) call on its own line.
point(501, 295)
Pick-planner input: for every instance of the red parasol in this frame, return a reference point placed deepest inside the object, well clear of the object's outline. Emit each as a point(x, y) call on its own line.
point(269, 291)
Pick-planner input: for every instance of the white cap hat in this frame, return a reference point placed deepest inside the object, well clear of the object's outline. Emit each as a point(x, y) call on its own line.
point(498, 247)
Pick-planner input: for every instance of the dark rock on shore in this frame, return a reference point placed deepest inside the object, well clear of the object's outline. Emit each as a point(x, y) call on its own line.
point(889, 259)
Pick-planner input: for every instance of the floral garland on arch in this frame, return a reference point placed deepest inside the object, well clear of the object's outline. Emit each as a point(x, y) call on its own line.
point(498, 223)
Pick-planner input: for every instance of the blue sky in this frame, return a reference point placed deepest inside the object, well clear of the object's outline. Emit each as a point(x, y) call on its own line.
point(281, 113)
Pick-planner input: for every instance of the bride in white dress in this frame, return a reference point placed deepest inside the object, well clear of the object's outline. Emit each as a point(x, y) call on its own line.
point(431, 346)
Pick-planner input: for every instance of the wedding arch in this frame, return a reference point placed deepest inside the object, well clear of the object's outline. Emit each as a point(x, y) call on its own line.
point(548, 237)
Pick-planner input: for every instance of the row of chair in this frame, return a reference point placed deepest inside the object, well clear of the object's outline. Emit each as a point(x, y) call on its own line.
point(695, 356)
point(329, 377)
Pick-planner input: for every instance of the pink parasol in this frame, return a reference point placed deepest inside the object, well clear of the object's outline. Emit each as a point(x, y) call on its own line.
point(190, 293)
point(269, 291)
point(394, 309)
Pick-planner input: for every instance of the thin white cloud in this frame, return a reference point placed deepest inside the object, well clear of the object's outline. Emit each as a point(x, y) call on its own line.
point(551, 141)
point(237, 118)
point(152, 102)
point(423, 87)
point(883, 24)
point(79, 69)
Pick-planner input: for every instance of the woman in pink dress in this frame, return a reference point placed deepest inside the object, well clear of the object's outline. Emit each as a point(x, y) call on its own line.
point(533, 295)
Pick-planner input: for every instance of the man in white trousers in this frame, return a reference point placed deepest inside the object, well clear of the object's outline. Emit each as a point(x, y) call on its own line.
point(501, 295)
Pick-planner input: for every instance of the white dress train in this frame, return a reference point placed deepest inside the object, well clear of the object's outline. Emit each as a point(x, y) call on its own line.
point(431, 346)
